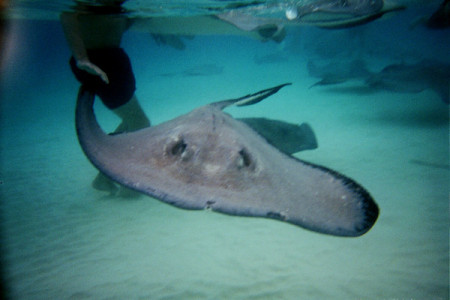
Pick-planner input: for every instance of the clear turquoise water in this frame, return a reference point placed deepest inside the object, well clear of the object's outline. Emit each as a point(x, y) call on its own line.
point(63, 240)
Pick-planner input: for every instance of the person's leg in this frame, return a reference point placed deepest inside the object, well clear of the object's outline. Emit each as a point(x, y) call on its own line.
point(132, 115)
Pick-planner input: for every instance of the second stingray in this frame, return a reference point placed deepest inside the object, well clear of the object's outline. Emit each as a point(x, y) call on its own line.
point(206, 159)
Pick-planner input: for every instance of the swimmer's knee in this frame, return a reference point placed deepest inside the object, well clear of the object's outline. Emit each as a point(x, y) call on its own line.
point(132, 115)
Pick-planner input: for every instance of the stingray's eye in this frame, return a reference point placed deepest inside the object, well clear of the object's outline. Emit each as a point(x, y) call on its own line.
point(244, 159)
point(178, 147)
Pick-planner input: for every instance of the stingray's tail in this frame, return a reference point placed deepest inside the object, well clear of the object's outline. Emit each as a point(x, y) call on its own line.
point(250, 98)
point(85, 121)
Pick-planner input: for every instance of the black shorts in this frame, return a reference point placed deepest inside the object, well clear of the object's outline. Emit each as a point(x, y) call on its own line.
point(116, 64)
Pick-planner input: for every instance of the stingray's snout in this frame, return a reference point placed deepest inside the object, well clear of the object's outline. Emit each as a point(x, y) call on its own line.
point(244, 159)
point(227, 160)
point(215, 155)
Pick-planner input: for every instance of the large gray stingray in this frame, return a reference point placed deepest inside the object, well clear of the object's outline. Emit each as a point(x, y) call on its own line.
point(207, 160)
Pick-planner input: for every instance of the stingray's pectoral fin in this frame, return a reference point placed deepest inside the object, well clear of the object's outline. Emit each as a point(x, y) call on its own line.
point(104, 184)
point(329, 81)
point(286, 137)
point(250, 98)
point(309, 137)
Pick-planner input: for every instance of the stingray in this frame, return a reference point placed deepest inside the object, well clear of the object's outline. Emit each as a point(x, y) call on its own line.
point(336, 14)
point(414, 78)
point(267, 28)
point(206, 159)
point(338, 72)
point(172, 40)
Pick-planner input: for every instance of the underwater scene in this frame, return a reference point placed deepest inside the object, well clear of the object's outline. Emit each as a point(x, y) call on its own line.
point(224, 149)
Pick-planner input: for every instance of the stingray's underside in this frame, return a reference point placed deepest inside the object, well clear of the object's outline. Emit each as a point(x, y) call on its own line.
point(207, 160)
point(343, 14)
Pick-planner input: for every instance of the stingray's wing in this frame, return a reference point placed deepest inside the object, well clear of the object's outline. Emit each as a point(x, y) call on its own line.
point(286, 137)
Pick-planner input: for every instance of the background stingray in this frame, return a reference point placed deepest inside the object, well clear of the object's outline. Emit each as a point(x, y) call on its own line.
point(207, 160)
point(338, 71)
point(335, 14)
point(414, 78)
point(402, 78)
